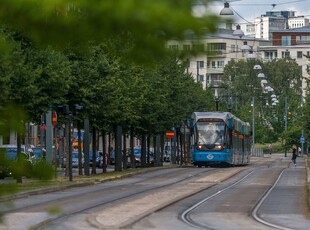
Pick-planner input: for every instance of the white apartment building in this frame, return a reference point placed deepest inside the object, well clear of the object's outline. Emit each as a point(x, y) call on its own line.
point(219, 49)
point(297, 22)
point(274, 21)
point(208, 66)
point(265, 25)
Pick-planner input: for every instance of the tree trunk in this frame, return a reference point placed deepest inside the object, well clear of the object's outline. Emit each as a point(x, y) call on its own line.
point(104, 152)
point(94, 150)
point(19, 160)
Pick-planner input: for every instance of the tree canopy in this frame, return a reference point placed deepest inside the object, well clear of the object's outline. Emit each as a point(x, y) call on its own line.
point(148, 24)
point(284, 77)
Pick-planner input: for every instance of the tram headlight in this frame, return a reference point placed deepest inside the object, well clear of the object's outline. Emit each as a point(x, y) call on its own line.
point(219, 147)
point(199, 147)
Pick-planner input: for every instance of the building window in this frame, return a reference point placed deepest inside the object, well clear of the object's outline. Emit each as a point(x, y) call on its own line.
point(186, 47)
point(268, 55)
point(233, 49)
point(216, 48)
point(200, 78)
point(299, 54)
point(286, 40)
point(285, 54)
point(200, 64)
point(305, 38)
point(174, 47)
point(213, 64)
point(220, 64)
point(308, 53)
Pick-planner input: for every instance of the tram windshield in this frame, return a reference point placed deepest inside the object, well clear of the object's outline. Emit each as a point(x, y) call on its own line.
point(210, 133)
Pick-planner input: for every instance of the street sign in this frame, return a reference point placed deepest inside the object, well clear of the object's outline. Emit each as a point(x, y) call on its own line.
point(170, 134)
point(54, 119)
point(302, 139)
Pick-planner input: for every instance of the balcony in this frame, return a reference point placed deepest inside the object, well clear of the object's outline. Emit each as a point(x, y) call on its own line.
point(216, 53)
point(215, 69)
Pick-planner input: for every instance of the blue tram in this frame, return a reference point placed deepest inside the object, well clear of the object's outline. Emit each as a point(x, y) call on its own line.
point(219, 138)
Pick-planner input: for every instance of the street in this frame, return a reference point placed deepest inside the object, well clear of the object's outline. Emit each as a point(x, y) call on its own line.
point(175, 198)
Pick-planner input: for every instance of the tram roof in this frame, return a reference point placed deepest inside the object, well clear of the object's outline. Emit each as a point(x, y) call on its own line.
point(225, 116)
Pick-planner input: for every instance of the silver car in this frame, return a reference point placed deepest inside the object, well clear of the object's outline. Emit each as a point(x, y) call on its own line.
point(75, 159)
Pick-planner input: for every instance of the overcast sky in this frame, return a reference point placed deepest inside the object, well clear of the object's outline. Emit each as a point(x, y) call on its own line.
point(250, 9)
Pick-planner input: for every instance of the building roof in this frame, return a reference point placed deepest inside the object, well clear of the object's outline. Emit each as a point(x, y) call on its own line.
point(305, 29)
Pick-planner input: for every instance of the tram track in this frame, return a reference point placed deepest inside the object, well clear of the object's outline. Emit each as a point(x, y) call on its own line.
point(186, 215)
point(255, 214)
point(156, 195)
point(81, 194)
point(132, 187)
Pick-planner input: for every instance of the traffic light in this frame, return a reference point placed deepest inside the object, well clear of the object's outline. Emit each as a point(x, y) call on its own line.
point(64, 109)
point(76, 109)
point(289, 115)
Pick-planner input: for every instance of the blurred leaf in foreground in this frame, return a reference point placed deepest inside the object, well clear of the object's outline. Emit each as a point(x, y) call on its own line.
point(148, 23)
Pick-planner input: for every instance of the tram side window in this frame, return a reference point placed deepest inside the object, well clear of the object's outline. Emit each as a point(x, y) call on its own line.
point(226, 138)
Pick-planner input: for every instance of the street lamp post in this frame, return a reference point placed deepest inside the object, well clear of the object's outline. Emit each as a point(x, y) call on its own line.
point(253, 125)
point(256, 68)
point(285, 149)
point(216, 97)
point(217, 93)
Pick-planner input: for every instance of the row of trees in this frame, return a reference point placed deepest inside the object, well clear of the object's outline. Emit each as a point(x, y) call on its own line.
point(141, 98)
point(112, 91)
point(47, 60)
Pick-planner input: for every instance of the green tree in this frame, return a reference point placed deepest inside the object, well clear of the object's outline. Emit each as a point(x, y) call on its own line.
point(269, 120)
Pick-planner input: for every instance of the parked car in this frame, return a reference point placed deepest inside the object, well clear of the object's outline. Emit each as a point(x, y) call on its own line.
point(4, 166)
point(8, 159)
point(137, 153)
point(99, 159)
point(112, 157)
point(37, 154)
point(166, 157)
point(75, 159)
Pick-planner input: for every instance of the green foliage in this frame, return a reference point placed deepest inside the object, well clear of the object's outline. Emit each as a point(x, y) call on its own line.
point(11, 118)
point(148, 23)
point(20, 168)
point(43, 170)
point(52, 82)
point(269, 120)
point(306, 116)
point(292, 137)
point(149, 98)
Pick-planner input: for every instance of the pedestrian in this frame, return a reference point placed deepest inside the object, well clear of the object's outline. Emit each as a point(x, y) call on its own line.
point(294, 154)
point(270, 148)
